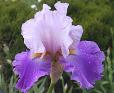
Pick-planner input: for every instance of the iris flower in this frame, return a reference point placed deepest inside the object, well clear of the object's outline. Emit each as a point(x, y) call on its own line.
point(54, 46)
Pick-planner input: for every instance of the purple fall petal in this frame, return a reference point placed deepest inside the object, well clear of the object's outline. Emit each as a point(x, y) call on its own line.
point(87, 64)
point(29, 70)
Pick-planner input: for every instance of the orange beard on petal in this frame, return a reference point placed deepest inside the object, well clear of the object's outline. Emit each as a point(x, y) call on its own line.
point(72, 51)
point(58, 54)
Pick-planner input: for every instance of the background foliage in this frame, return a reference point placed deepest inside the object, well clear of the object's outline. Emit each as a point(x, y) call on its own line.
point(96, 17)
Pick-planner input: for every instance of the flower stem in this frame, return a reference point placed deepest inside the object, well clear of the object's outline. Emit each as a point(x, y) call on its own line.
point(51, 87)
point(63, 84)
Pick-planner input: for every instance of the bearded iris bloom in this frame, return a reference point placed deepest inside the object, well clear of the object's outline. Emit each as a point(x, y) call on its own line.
point(54, 46)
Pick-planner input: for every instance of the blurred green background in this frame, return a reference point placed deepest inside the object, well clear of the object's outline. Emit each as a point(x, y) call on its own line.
point(97, 19)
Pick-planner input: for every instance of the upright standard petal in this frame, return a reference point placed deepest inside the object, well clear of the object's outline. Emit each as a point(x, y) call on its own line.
point(45, 31)
point(29, 70)
point(76, 34)
point(87, 64)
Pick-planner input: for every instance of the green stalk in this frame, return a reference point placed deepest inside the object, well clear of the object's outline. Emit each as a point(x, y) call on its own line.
point(51, 87)
point(63, 84)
